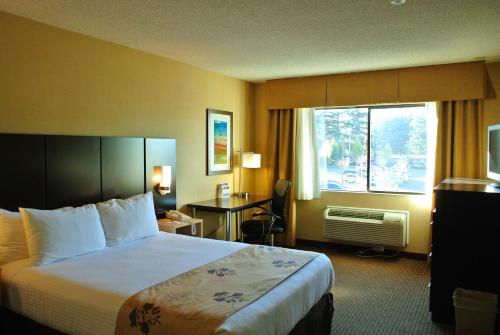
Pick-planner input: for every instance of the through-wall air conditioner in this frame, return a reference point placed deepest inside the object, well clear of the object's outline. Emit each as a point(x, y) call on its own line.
point(378, 227)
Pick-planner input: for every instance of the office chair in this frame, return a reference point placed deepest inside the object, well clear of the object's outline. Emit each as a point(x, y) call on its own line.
point(270, 223)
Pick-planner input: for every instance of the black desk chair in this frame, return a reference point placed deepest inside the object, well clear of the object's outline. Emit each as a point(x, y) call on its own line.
point(270, 223)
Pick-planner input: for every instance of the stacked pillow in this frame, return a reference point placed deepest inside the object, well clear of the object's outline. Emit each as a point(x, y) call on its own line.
point(59, 234)
point(46, 236)
point(12, 239)
point(127, 220)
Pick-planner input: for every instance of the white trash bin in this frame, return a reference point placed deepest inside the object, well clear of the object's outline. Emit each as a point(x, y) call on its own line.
point(475, 312)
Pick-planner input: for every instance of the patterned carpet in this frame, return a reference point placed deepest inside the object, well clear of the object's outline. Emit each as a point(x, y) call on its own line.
point(381, 296)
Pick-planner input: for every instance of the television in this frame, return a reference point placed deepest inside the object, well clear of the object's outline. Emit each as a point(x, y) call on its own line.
point(493, 161)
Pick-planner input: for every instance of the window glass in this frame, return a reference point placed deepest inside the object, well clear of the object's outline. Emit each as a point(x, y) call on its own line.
point(398, 151)
point(397, 138)
point(342, 136)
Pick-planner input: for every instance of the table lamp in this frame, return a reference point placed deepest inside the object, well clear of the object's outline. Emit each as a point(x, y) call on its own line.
point(248, 160)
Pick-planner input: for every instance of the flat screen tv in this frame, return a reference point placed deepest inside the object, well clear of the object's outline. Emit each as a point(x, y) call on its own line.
point(493, 163)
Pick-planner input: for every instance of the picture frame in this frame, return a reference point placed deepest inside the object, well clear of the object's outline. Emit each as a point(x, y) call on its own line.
point(219, 142)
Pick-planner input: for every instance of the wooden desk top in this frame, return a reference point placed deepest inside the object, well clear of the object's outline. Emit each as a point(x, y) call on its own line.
point(233, 203)
point(180, 223)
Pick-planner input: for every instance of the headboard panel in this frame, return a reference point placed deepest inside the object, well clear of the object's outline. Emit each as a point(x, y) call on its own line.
point(51, 171)
point(22, 171)
point(123, 166)
point(72, 171)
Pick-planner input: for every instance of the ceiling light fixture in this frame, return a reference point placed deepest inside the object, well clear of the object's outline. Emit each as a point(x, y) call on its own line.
point(398, 2)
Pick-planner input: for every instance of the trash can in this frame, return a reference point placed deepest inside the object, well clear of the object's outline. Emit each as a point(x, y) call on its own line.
point(475, 311)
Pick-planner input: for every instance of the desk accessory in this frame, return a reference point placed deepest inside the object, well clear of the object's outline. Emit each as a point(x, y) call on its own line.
point(223, 190)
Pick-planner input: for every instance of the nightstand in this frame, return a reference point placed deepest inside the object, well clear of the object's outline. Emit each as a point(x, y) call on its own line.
point(191, 227)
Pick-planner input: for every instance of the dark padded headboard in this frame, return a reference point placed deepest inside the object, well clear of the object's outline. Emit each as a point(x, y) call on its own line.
point(52, 171)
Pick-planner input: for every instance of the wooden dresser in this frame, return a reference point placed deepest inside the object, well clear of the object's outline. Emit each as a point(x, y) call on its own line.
point(465, 242)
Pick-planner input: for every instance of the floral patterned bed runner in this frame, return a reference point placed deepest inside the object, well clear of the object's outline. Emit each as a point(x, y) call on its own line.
point(200, 300)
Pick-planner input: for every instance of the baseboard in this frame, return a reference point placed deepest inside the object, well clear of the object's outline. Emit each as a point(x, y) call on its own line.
point(347, 247)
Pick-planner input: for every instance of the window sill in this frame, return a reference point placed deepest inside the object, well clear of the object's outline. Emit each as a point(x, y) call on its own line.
point(376, 192)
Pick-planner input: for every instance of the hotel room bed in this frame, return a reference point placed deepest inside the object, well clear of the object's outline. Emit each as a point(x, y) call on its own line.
point(83, 295)
point(85, 263)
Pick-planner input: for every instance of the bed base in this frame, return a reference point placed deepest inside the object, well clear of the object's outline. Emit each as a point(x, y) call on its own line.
point(317, 321)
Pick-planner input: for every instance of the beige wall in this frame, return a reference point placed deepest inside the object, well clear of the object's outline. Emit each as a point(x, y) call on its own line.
point(57, 82)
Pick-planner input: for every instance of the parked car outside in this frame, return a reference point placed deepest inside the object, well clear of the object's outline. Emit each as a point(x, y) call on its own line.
point(353, 177)
point(334, 185)
point(418, 162)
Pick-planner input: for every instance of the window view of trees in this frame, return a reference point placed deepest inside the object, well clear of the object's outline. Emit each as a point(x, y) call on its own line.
point(398, 148)
point(342, 136)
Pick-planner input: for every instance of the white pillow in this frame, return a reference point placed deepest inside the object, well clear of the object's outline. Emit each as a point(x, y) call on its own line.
point(54, 235)
point(12, 240)
point(129, 219)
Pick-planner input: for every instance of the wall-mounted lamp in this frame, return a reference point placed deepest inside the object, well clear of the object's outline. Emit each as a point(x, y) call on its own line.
point(162, 179)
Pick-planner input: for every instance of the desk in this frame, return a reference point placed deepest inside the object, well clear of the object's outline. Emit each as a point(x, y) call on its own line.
point(233, 204)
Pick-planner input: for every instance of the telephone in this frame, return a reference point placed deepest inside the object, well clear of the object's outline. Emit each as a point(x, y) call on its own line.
point(176, 215)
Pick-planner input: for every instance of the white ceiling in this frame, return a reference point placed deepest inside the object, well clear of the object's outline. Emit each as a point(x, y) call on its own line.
point(257, 40)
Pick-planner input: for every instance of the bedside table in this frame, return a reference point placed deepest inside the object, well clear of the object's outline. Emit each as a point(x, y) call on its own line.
point(191, 227)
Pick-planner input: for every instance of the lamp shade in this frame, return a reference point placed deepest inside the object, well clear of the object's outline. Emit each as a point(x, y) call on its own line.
point(162, 179)
point(166, 176)
point(250, 160)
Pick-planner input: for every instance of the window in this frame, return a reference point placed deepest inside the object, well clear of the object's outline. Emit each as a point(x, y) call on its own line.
point(380, 149)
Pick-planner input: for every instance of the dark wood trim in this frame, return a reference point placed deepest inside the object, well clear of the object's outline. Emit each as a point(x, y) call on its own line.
point(340, 246)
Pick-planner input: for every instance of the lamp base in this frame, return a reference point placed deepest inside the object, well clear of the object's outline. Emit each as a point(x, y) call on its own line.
point(243, 195)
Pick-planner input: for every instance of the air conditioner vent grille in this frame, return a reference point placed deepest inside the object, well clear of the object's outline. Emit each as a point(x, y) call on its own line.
point(366, 226)
point(356, 213)
point(335, 212)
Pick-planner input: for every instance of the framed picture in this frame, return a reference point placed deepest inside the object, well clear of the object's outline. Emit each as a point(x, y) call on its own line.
point(219, 142)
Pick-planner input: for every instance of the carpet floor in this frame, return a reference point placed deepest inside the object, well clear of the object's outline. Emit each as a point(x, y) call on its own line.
point(381, 296)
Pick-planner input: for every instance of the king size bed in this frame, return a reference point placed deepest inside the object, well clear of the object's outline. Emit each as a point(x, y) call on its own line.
point(104, 268)
point(83, 295)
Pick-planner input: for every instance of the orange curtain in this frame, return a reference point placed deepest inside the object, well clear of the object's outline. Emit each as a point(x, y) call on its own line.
point(460, 150)
point(279, 160)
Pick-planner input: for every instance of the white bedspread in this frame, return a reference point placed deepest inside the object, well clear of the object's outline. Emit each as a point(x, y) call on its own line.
point(82, 295)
